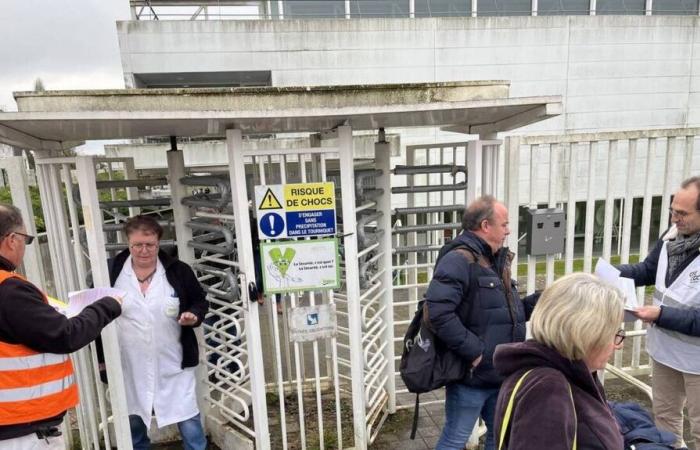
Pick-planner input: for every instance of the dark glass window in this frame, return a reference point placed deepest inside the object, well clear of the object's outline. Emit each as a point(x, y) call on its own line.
point(379, 8)
point(443, 8)
point(563, 7)
point(503, 8)
point(631, 7)
point(314, 8)
point(676, 7)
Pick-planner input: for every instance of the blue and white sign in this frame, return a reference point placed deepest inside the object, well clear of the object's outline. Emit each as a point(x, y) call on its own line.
point(295, 210)
point(272, 224)
point(310, 223)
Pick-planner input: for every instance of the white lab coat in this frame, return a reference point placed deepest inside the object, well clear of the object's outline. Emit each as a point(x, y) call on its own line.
point(151, 353)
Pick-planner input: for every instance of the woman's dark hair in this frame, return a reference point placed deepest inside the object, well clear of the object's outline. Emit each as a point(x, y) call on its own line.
point(147, 224)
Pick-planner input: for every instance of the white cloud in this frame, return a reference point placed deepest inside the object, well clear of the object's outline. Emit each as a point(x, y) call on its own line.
point(69, 44)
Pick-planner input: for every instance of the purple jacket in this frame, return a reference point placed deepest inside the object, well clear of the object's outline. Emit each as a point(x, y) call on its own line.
point(543, 415)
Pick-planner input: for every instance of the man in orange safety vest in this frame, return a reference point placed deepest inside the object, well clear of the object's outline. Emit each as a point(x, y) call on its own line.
point(37, 383)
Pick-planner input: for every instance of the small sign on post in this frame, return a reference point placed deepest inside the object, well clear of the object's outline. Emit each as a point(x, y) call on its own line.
point(309, 323)
point(295, 210)
point(294, 266)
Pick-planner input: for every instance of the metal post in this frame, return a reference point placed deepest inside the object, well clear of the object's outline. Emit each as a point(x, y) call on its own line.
point(181, 213)
point(21, 198)
point(511, 195)
point(474, 171)
point(132, 193)
point(347, 182)
point(234, 147)
point(92, 215)
point(382, 158)
point(592, 8)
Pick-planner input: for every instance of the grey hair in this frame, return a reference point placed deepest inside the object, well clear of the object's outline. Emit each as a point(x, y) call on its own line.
point(695, 181)
point(10, 219)
point(477, 211)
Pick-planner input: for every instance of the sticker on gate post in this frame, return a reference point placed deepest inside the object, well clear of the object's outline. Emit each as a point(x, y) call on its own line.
point(295, 210)
point(294, 266)
point(309, 323)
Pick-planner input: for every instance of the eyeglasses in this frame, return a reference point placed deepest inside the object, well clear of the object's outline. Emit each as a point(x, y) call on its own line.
point(679, 214)
point(28, 238)
point(619, 337)
point(143, 246)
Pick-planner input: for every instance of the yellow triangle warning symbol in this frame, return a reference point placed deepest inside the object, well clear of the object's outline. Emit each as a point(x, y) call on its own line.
point(269, 201)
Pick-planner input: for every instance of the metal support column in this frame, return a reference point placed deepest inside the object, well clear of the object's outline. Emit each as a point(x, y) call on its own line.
point(474, 171)
point(181, 213)
point(236, 165)
point(19, 189)
point(98, 260)
point(352, 282)
point(382, 158)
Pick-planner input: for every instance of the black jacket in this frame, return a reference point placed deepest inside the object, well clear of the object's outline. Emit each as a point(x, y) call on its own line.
point(25, 319)
point(686, 321)
point(491, 317)
point(543, 416)
point(192, 298)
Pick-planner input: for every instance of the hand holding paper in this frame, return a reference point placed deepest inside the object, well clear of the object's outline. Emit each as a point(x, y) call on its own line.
point(648, 314)
point(78, 300)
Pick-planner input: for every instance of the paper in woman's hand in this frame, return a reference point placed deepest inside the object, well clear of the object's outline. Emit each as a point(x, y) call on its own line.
point(78, 300)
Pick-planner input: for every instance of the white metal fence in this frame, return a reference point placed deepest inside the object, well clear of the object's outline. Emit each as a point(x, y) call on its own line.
point(337, 392)
point(615, 189)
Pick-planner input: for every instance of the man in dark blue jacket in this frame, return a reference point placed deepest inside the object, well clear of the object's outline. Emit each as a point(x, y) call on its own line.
point(473, 305)
point(673, 339)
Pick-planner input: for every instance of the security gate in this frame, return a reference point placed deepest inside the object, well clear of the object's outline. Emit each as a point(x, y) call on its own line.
point(332, 392)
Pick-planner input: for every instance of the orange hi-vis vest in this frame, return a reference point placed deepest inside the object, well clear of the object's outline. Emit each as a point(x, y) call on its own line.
point(33, 385)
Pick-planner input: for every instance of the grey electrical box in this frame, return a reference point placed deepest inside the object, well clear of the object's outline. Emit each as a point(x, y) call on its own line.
point(545, 231)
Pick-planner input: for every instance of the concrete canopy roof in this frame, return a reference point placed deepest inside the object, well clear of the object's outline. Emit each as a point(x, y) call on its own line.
point(55, 120)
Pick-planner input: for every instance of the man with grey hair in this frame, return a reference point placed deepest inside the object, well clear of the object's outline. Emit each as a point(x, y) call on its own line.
point(473, 305)
point(37, 383)
point(673, 338)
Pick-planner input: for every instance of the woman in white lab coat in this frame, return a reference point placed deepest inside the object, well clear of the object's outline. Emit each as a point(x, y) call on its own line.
point(159, 350)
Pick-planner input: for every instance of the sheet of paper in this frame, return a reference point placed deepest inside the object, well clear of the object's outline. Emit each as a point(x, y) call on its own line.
point(626, 285)
point(78, 300)
point(608, 273)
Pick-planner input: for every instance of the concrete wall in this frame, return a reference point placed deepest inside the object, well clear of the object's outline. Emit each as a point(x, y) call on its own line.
point(615, 72)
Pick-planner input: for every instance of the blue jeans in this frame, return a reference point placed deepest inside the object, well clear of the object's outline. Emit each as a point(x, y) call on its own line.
point(463, 406)
point(191, 432)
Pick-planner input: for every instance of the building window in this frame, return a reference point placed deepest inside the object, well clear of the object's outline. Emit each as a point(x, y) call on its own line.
point(381, 8)
point(630, 7)
point(443, 8)
point(675, 7)
point(503, 8)
point(563, 7)
point(314, 9)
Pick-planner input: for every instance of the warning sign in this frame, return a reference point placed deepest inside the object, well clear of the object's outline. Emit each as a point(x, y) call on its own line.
point(294, 266)
point(269, 201)
point(295, 210)
point(309, 196)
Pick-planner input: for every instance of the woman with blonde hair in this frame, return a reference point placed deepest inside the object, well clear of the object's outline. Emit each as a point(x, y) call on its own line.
point(552, 398)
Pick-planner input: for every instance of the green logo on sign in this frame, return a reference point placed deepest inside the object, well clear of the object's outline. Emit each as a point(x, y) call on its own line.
point(282, 261)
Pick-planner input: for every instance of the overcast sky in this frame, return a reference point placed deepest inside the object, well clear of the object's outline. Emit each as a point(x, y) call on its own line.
point(69, 44)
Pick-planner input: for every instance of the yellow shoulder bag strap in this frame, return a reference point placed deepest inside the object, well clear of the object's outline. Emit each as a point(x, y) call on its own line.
point(509, 411)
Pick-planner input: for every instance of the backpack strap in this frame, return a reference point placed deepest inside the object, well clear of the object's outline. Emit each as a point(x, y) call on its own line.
point(509, 411)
